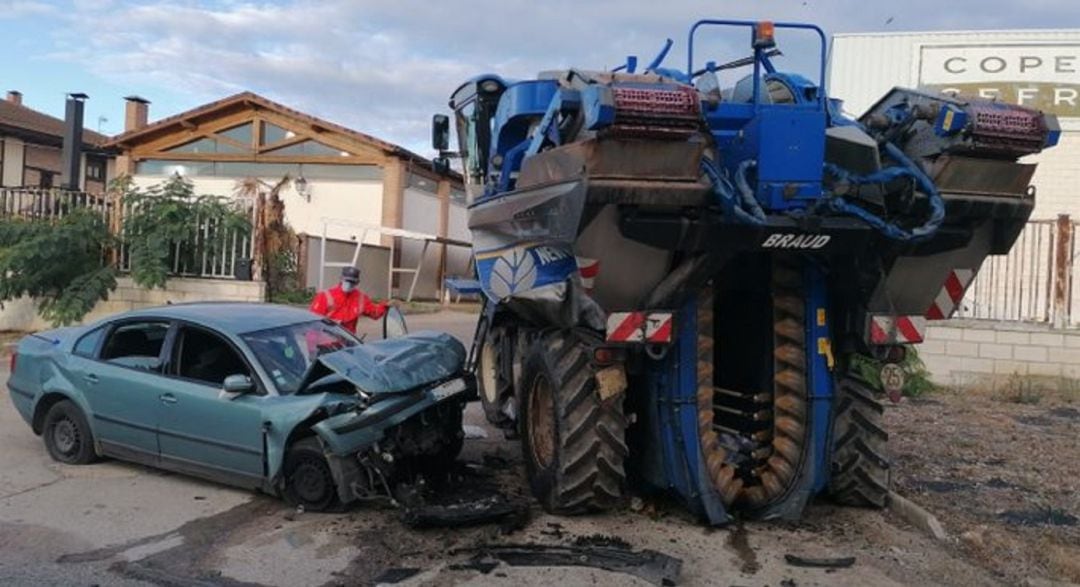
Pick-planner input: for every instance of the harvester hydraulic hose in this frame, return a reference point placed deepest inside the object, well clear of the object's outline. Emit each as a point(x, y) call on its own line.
point(937, 206)
point(748, 199)
point(725, 195)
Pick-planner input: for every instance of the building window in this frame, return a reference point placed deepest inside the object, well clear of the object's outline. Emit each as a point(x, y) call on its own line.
point(419, 182)
point(241, 169)
point(95, 169)
point(241, 134)
point(206, 145)
point(308, 147)
point(272, 133)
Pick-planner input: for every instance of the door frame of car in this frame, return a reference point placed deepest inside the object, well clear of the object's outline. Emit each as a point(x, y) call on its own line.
point(203, 469)
point(157, 460)
point(107, 447)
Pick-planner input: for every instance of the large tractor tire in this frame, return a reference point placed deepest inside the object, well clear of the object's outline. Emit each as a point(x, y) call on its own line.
point(493, 374)
point(860, 464)
point(572, 439)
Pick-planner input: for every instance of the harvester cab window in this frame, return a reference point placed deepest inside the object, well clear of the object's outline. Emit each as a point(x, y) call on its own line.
point(474, 112)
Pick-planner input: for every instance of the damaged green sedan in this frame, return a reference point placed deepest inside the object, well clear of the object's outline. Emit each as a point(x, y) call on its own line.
point(258, 396)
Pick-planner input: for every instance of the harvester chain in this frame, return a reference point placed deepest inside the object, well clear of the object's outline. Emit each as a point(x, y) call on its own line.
point(860, 466)
point(778, 462)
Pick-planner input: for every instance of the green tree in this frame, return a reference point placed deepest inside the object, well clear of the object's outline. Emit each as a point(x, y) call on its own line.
point(61, 263)
point(165, 225)
point(65, 262)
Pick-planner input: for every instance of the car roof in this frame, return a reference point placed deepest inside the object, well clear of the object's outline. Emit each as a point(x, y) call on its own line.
point(228, 317)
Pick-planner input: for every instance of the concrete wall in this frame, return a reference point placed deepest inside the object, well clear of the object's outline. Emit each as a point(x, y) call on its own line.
point(956, 351)
point(350, 201)
point(420, 213)
point(14, 159)
point(21, 314)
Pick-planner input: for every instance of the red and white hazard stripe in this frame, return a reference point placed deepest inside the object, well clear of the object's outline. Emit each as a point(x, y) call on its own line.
point(885, 329)
point(588, 269)
point(948, 299)
point(651, 327)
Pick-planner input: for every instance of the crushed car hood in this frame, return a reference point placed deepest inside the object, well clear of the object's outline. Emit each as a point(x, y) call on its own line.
point(398, 364)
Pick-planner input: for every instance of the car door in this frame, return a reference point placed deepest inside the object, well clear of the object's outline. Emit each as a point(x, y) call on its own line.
point(122, 380)
point(201, 430)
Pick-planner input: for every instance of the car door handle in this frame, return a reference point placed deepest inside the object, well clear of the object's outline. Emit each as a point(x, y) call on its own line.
point(167, 398)
point(90, 378)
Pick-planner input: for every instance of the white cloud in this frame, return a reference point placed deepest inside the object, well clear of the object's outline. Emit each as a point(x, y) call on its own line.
point(13, 9)
point(385, 67)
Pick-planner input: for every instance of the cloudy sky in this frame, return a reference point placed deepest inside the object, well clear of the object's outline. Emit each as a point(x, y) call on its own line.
point(384, 66)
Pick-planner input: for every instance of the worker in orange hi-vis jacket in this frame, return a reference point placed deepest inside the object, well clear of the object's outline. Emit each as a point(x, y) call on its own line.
point(345, 303)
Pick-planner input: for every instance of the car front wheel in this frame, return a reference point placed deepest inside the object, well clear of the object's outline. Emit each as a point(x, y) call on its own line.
point(308, 479)
point(67, 435)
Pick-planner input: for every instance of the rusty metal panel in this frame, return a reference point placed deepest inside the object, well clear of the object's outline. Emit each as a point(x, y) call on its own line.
point(615, 159)
point(982, 177)
point(1073, 297)
point(1063, 271)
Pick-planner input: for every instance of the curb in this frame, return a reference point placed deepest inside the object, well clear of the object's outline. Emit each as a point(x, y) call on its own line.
point(915, 515)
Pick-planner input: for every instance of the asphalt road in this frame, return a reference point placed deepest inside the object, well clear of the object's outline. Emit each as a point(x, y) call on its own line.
point(112, 523)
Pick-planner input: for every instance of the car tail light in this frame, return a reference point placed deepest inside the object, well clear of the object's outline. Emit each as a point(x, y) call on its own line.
point(14, 359)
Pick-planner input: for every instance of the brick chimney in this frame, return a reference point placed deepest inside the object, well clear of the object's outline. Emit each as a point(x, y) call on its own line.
point(15, 97)
point(136, 113)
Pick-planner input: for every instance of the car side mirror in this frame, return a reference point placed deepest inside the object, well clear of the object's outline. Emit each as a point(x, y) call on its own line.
point(440, 132)
point(394, 323)
point(236, 385)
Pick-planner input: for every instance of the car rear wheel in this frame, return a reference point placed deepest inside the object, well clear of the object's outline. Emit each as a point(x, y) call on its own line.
point(67, 435)
point(308, 480)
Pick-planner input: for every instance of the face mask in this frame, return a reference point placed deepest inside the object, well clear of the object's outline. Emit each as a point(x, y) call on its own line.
point(347, 286)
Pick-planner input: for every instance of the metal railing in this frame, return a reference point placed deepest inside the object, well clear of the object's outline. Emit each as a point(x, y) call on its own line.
point(214, 252)
point(49, 203)
point(1035, 282)
point(190, 259)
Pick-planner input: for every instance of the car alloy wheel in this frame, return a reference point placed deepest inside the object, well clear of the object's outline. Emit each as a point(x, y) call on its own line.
point(308, 479)
point(311, 483)
point(66, 436)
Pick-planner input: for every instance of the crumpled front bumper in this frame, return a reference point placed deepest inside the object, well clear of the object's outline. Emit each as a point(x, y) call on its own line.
point(350, 437)
point(348, 433)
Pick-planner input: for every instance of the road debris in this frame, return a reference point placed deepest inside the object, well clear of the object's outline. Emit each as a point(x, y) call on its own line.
point(494, 508)
point(1042, 517)
point(842, 562)
point(464, 495)
point(396, 575)
point(649, 565)
point(917, 516)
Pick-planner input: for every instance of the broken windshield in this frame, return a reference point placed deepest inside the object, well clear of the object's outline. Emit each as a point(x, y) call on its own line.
point(287, 352)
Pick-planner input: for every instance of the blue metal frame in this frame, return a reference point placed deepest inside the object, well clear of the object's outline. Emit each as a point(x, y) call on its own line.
point(673, 398)
point(757, 52)
point(820, 384)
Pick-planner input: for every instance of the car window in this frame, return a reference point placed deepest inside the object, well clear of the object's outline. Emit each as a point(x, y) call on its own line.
point(287, 352)
point(137, 345)
point(207, 358)
point(88, 344)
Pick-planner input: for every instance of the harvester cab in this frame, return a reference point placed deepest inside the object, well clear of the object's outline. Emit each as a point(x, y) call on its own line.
point(680, 272)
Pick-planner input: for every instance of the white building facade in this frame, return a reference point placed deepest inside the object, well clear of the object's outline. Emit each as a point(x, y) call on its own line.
point(1036, 68)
